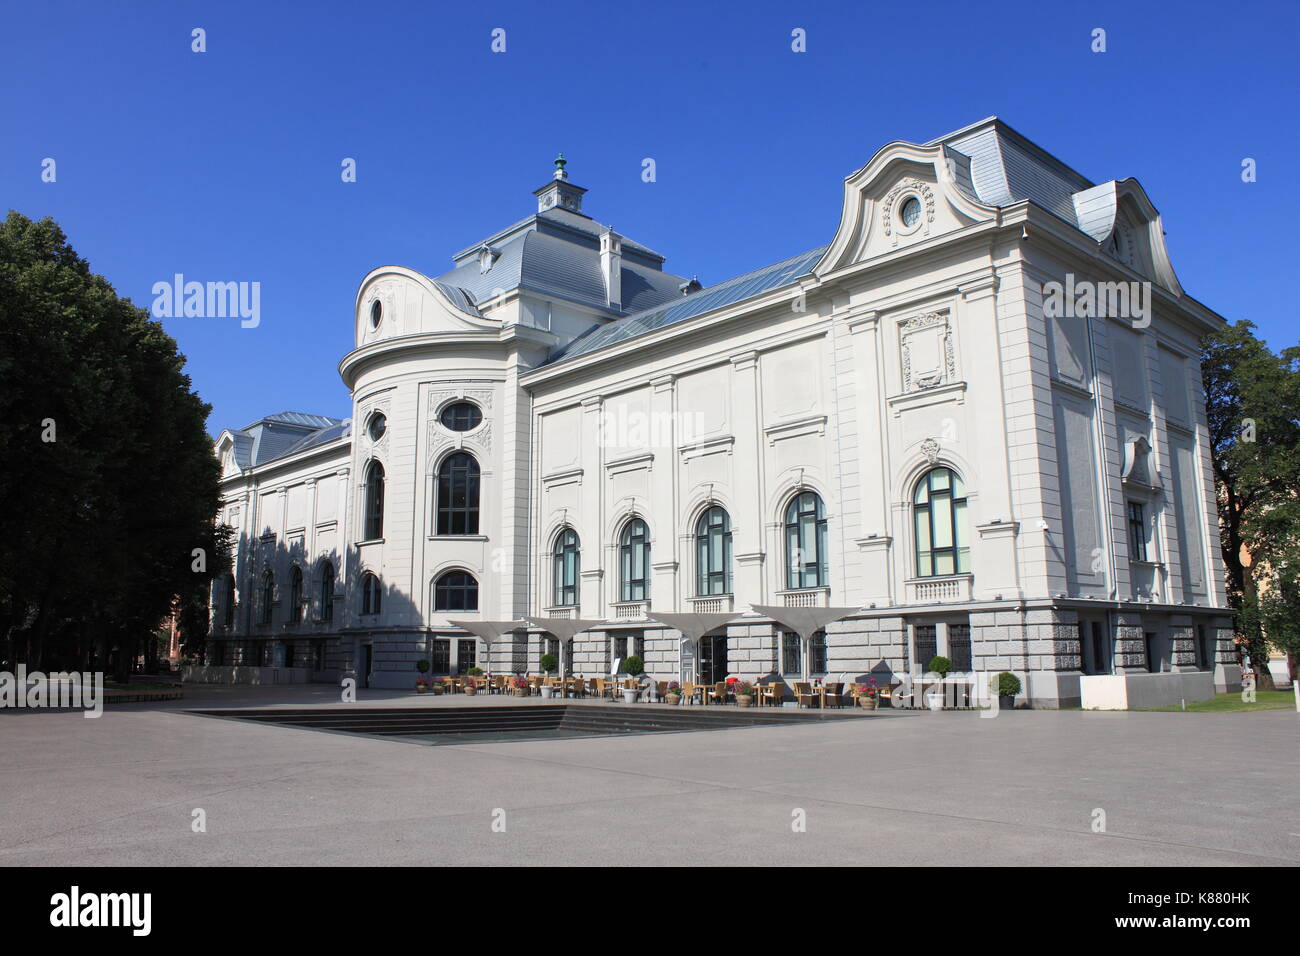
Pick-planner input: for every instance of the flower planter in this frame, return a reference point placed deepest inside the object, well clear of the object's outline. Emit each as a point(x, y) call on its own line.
point(470, 690)
point(744, 700)
point(934, 700)
point(1007, 702)
point(868, 703)
point(548, 691)
point(421, 688)
point(629, 696)
point(673, 698)
point(520, 691)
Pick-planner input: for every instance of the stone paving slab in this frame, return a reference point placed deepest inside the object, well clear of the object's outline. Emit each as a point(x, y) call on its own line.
point(1020, 789)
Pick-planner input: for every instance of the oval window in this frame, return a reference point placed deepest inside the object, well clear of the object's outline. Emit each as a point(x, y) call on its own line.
point(376, 313)
point(911, 212)
point(461, 416)
point(378, 425)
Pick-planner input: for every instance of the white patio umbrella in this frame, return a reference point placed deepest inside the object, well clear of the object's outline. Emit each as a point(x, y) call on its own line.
point(805, 621)
point(490, 631)
point(692, 626)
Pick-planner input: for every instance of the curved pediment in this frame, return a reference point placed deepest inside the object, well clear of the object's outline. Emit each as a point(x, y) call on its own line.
point(1120, 216)
point(395, 301)
point(903, 196)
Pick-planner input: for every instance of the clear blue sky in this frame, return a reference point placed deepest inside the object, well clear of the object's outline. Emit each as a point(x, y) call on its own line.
point(225, 165)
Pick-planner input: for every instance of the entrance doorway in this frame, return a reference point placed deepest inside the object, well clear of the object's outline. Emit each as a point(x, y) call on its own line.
point(367, 660)
point(713, 659)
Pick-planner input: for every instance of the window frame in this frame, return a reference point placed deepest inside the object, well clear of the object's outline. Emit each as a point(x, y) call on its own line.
point(468, 589)
point(373, 527)
point(713, 553)
point(958, 524)
point(1137, 531)
point(458, 472)
point(566, 568)
point(798, 520)
point(372, 594)
point(635, 537)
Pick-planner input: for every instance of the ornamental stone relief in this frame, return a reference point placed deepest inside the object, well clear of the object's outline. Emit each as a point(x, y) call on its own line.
point(889, 211)
point(386, 294)
point(925, 343)
point(440, 437)
point(378, 447)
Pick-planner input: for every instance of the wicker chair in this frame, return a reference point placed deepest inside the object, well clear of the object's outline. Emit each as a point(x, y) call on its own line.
point(835, 693)
point(804, 694)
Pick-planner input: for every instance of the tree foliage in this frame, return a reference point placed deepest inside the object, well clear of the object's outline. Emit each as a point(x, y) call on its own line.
point(1253, 407)
point(107, 477)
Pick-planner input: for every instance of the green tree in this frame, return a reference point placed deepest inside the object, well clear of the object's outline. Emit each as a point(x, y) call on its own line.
point(107, 477)
point(1253, 407)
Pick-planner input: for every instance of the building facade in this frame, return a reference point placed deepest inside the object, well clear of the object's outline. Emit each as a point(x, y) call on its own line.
point(974, 416)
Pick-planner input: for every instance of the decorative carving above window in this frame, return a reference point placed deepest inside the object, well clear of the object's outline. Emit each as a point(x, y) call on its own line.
point(927, 353)
point(899, 214)
point(1137, 465)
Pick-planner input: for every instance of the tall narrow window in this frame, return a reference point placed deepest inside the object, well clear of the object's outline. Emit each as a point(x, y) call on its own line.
point(634, 561)
point(805, 542)
point(817, 658)
point(295, 594)
point(926, 637)
point(713, 553)
point(327, 592)
point(458, 491)
point(268, 596)
point(939, 512)
point(230, 600)
point(959, 647)
point(1137, 532)
point(372, 594)
point(455, 591)
point(791, 653)
point(567, 566)
point(374, 501)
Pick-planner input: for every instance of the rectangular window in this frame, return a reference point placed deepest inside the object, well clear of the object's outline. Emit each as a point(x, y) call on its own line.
point(817, 653)
point(440, 656)
point(1137, 532)
point(466, 654)
point(638, 646)
point(620, 648)
point(927, 645)
point(791, 654)
point(959, 646)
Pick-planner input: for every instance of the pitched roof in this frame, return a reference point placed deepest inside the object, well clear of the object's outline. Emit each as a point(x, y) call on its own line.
point(281, 434)
point(731, 291)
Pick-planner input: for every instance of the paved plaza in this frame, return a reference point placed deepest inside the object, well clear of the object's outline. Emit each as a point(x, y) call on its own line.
point(909, 788)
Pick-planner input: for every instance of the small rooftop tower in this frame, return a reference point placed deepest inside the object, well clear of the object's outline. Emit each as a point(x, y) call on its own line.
point(559, 191)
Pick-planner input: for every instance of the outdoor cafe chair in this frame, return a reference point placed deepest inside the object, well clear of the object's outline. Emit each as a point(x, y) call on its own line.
point(805, 695)
point(835, 692)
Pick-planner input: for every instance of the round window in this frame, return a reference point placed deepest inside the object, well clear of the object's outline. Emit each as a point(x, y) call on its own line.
point(376, 313)
point(378, 425)
point(461, 416)
point(910, 214)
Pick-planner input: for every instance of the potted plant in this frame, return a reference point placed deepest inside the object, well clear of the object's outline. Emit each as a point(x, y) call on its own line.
point(674, 695)
point(1008, 685)
point(868, 694)
point(519, 685)
point(549, 663)
point(422, 682)
point(934, 694)
point(471, 684)
point(632, 667)
point(744, 692)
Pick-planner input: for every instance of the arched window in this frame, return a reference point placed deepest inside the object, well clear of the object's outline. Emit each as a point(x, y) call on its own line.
point(567, 566)
point(634, 561)
point(327, 591)
point(230, 600)
point(268, 595)
point(805, 542)
point(713, 552)
point(371, 594)
point(295, 594)
point(458, 495)
point(455, 591)
point(939, 516)
point(374, 501)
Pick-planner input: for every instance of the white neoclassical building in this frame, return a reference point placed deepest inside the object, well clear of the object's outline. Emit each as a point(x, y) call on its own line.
point(971, 421)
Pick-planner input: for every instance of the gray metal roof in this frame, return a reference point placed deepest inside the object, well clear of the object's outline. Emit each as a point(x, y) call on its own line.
point(284, 433)
point(1007, 168)
point(726, 293)
point(557, 253)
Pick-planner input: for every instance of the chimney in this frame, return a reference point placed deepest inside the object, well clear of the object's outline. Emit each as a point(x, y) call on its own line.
point(611, 268)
